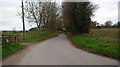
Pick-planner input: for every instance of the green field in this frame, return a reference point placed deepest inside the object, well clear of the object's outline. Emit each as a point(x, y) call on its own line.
point(100, 41)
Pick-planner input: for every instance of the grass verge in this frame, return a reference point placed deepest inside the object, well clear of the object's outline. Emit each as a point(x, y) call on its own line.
point(11, 49)
point(39, 37)
point(88, 42)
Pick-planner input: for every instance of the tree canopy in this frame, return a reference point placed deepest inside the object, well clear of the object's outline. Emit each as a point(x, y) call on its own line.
point(77, 16)
point(108, 23)
point(43, 14)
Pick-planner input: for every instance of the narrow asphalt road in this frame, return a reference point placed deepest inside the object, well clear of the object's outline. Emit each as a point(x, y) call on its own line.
point(56, 51)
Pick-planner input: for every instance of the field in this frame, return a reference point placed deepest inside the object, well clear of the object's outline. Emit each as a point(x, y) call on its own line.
point(106, 35)
point(100, 41)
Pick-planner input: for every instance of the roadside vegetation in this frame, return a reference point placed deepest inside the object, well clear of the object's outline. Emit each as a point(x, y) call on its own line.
point(34, 37)
point(11, 49)
point(31, 36)
point(88, 34)
point(98, 42)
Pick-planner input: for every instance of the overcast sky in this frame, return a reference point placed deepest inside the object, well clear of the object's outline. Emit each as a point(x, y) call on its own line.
point(108, 10)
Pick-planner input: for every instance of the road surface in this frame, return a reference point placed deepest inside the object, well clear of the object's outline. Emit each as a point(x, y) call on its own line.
point(56, 51)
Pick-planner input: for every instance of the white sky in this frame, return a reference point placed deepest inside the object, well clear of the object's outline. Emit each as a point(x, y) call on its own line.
point(108, 10)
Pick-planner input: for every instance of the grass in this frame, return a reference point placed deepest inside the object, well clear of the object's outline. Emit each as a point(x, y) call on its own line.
point(11, 49)
point(33, 36)
point(103, 48)
point(106, 35)
point(41, 36)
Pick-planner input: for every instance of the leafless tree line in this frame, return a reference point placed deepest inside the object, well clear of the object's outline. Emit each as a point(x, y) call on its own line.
point(43, 14)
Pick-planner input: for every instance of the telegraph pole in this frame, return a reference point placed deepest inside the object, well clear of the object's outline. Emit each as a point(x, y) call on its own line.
point(23, 20)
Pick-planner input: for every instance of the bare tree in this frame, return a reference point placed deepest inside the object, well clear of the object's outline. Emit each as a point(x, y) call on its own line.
point(43, 14)
point(33, 12)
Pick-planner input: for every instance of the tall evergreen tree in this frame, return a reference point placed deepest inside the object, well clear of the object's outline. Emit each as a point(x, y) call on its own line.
point(77, 16)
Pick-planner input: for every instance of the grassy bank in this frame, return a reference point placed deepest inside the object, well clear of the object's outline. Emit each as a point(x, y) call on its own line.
point(39, 37)
point(87, 41)
point(33, 36)
point(11, 49)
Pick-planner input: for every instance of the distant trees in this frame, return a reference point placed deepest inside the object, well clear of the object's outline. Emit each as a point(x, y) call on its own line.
point(93, 24)
point(115, 25)
point(52, 16)
point(108, 24)
point(77, 16)
point(118, 24)
point(33, 29)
